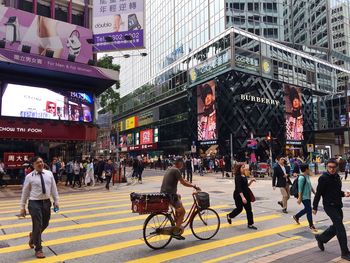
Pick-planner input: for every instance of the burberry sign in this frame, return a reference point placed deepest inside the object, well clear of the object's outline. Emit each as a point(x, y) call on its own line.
point(246, 97)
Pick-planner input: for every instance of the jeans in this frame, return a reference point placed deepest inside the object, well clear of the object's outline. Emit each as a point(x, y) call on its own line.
point(338, 229)
point(239, 208)
point(307, 210)
point(40, 212)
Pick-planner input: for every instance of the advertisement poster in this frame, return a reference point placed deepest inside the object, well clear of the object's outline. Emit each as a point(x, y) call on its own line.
point(130, 139)
point(146, 136)
point(122, 140)
point(116, 19)
point(42, 34)
point(17, 159)
point(294, 113)
point(40, 103)
point(206, 111)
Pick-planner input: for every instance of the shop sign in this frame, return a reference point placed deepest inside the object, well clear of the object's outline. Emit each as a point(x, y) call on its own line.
point(208, 142)
point(16, 159)
point(210, 67)
point(148, 117)
point(294, 142)
point(146, 136)
point(47, 131)
point(139, 147)
point(247, 97)
point(247, 62)
point(131, 123)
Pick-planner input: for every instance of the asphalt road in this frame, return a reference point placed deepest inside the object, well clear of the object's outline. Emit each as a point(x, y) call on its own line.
point(98, 226)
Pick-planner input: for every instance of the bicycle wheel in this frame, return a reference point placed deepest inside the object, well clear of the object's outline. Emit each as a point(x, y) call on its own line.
point(153, 227)
point(205, 224)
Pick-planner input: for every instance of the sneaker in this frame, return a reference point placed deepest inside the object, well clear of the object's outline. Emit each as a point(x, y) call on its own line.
point(280, 203)
point(296, 220)
point(319, 243)
point(313, 228)
point(252, 227)
point(229, 220)
point(346, 257)
point(39, 254)
point(284, 211)
point(178, 237)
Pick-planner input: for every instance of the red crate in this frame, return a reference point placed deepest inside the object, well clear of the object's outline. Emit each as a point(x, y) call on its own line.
point(149, 203)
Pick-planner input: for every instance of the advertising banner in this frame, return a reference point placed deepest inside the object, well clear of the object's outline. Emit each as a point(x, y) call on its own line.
point(47, 131)
point(206, 111)
point(146, 136)
point(42, 34)
point(215, 65)
point(130, 123)
point(41, 103)
point(17, 159)
point(293, 114)
point(116, 19)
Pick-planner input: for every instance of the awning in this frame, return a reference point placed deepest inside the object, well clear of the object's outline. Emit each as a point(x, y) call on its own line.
point(39, 70)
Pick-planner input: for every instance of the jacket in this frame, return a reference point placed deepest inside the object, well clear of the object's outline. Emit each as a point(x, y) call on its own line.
point(329, 187)
point(241, 186)
point(278, 179)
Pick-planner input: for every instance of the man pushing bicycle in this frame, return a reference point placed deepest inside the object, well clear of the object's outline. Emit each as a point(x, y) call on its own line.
point(169, 186)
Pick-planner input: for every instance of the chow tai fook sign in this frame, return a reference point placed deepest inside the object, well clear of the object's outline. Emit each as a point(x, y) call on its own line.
point(47, 131)
point(146, 137)
point(37, 34)
point(116, 19)
point(139, 147)
point(16, 159)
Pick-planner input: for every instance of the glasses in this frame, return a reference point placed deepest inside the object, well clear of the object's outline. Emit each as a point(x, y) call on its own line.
point(332, 167)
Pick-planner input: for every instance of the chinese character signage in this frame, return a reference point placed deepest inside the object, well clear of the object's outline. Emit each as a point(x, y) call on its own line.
point(293, 114)
point(130, 123)
point(146, 137)
point(206, 111)
point(16, 160)
point(41, 34)
point(115, 19)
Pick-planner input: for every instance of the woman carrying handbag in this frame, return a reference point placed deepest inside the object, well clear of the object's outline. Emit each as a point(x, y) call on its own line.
point(242, 195)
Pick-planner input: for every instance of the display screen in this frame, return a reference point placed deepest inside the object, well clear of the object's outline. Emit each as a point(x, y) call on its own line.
point(294, 113)
point(206, 111)
point(41, 103)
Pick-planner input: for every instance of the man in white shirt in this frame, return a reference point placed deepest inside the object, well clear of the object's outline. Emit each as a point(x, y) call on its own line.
point(38, 187)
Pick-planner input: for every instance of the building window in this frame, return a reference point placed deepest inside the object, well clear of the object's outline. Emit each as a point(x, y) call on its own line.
point(25, 6)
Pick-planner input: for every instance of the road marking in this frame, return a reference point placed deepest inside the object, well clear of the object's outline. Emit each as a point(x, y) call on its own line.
point(64, 197)
point(89, 236)
point(83, 217)
point(131, 243)
point(73, 227)
point(252, 249)
point(167, 256)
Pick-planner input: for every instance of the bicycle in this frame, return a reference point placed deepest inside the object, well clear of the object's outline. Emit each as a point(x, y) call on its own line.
point(158, 226)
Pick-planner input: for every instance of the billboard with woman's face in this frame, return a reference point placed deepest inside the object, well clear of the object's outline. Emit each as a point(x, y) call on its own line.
point(294, 113)
point(206, 111)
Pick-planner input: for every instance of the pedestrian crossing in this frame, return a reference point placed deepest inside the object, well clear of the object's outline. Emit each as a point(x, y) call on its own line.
point(99, 227)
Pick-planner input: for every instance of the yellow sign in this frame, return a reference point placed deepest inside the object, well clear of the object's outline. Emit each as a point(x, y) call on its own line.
point(130, 123)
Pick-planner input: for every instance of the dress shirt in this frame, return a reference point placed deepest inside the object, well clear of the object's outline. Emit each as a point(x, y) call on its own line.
point(32, 188)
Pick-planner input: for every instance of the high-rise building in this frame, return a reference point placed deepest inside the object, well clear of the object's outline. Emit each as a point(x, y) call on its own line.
point(263, 18)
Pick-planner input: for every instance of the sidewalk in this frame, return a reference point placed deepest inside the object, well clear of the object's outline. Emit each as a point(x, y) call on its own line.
point(306, 253)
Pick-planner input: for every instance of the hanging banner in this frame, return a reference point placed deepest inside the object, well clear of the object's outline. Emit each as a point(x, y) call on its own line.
point(116, 19)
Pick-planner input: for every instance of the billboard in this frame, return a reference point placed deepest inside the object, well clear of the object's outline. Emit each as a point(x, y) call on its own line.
point(116, 19)
point(42, 34)
point(130, 123)
point(146, 136)
point(41, 103)
point(206, 112)
point(17, 159)
point(293, 113)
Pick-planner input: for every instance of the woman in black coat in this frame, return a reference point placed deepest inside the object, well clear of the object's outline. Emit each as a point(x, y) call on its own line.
point(241, 195)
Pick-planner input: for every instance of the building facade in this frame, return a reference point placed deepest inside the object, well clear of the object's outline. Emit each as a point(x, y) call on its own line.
point(48, 86)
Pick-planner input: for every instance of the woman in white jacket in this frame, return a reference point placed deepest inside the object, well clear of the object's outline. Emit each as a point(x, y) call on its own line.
point(89, 177)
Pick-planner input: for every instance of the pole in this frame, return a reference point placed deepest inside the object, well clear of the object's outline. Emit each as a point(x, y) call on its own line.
point(270, 149)
point(347, 111)
point(231, 147)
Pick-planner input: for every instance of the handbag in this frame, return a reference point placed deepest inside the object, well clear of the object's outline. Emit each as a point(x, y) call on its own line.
point(251, 195)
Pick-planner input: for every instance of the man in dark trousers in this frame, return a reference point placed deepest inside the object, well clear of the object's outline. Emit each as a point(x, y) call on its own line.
point(329, 187)
point(38, 187)
point(100, 168)
point(188, 164)
point(281, 180)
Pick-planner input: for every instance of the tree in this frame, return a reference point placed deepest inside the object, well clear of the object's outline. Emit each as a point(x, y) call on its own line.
point(110, 98)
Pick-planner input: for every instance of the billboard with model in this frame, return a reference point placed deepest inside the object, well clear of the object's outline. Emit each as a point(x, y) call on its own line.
point(41, 103)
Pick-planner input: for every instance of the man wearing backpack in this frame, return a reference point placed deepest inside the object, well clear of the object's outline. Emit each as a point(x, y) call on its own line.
point(304, 196)
point(329, 187)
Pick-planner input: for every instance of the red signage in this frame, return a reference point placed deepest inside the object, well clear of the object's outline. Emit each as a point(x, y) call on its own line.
point(146, 136)
point(33, 130)
point(15, 160)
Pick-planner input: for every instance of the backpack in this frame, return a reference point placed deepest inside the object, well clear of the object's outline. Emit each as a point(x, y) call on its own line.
point(294, 190)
